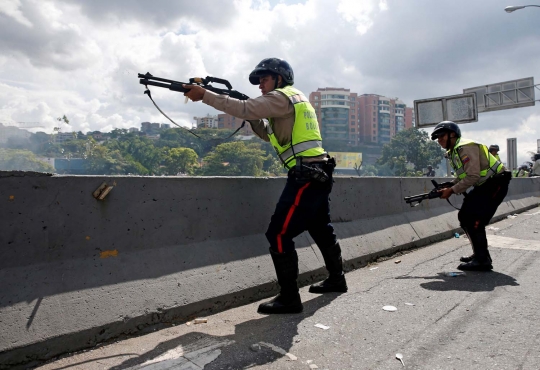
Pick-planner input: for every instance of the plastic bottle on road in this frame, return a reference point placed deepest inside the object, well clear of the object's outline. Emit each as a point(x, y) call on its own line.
point(454, 273)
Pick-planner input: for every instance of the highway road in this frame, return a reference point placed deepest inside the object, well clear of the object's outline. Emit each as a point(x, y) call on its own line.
point(483, 320)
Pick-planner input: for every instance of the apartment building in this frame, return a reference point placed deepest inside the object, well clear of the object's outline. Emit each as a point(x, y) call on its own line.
point(359, 119)
point(337, 114)
point(226, 121)
point(207, 121)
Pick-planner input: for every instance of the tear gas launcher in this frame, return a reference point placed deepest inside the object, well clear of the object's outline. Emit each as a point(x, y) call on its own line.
point(415, 200)
point(148, 79)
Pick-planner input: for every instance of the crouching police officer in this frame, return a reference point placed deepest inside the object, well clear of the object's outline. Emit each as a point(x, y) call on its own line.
point(283, 116)
point(473, 166)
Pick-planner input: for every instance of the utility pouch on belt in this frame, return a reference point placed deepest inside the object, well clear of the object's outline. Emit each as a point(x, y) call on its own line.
point(309, 172)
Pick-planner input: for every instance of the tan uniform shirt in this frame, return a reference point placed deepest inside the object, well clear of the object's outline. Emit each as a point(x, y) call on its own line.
point(271, 105)
point(476, 162)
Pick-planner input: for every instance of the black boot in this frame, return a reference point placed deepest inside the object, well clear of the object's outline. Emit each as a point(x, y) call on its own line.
point(481, 260)
point(471, 257)
point(288, 300)
point(334, 264)
point(467, 258)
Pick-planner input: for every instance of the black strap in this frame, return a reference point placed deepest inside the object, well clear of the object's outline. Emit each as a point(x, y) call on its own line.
point(147, 92)
point(448, 200)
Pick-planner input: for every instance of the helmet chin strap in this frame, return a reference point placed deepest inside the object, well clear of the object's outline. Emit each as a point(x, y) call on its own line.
point(277, 82)
point(448, 141)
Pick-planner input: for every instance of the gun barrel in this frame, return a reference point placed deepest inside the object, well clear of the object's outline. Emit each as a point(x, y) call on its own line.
point(416, 198)
point(177, 86)
point(148, 76)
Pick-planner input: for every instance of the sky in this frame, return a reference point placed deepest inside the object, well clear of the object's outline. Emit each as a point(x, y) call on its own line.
point(81, 58)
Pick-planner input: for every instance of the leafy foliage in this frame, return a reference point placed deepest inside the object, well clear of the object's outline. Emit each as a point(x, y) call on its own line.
point(181, 160)
point(22, 160)
point(234, 159)
point(409, 152)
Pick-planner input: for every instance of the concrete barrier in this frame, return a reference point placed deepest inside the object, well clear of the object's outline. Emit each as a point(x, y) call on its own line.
point(76, 271)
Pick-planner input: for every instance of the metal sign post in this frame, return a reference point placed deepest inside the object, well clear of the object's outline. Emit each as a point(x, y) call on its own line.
point(511, 152)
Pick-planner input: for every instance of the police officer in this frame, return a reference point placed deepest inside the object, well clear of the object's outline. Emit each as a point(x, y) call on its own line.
point(524, 170)
point(494, 151)
point(283, 116)
point(430, 171)
point(473, 166)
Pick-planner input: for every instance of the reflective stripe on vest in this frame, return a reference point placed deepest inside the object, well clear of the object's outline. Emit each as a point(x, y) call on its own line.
point(306, 138)
point(495, 166)
point(299, 148)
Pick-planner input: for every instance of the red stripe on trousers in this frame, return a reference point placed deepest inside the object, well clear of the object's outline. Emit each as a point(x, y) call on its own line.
point(289, 216)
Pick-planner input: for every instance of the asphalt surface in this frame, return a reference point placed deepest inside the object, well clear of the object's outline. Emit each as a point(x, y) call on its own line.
point(483, 320)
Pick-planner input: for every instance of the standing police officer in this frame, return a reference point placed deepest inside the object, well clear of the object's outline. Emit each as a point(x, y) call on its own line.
point(474, 166)
point(283, 116)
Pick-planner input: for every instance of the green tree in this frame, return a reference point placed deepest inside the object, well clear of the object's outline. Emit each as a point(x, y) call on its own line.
point(138, 149)
point(234, 159)
point(409, 152)
point(272, 165)
point(103, 161)
point(208, 139)
point(183, 160)
point(22, 160)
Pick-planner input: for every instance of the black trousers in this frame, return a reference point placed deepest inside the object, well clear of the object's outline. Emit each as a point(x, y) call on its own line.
point(480, 205)
point(303, 205)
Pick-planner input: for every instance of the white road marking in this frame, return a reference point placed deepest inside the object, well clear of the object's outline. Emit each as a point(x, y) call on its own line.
point(496, 241)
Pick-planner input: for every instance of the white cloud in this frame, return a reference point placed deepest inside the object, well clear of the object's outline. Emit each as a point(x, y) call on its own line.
point(81, 59)
point(11, 8)
point(360, 12)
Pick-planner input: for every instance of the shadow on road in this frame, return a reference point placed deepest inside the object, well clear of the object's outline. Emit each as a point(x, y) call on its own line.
point(472, 281)
point(278, 330)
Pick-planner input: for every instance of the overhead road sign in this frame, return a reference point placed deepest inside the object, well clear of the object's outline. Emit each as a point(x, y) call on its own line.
point(504, 95)
point(457, 108)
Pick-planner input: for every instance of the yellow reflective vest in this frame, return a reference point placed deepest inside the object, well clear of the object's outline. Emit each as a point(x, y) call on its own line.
point(306, 140)
point(495, 166)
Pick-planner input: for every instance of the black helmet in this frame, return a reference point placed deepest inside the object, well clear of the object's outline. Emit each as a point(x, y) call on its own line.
point(272, 65)
point(445, 126)
point(494, 147)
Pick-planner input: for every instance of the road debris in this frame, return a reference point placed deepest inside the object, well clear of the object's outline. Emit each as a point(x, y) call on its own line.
point(389, 308)
point(456, 235)
point(255, 347)
point(399, 356)
point(313, 366)
point(373, 268)
point(200, 321)
point(409, 304)
point(279, 350)
point(511, 216)
point(321, 326)
point(398, 261)
point(454, 273)
point(493, 228)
